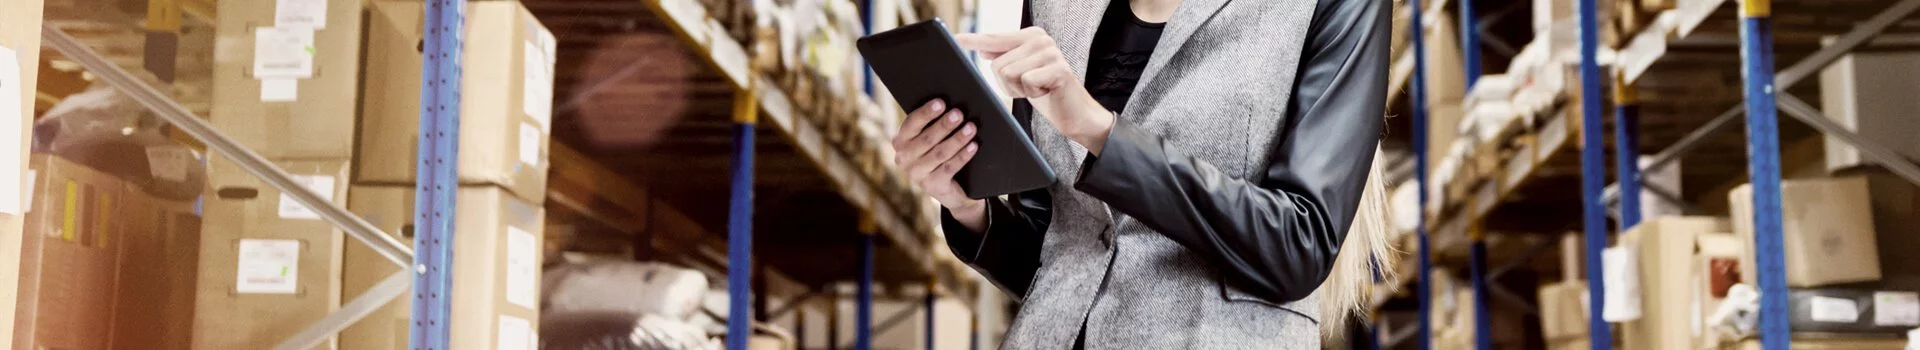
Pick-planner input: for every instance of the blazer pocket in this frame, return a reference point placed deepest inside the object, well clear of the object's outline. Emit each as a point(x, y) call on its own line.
point(1233, 295)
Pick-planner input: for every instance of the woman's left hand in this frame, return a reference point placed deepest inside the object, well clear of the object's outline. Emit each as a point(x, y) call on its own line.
point(1031, 66)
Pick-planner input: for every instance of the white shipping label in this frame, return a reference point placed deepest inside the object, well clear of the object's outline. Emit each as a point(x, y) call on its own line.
point(530, 142)
point(1896, 309)
point(268, 266)
point(537, 86)
point(282, 52)
point(279, 90)
point(515, 334)
point(300, 14)
point(169, 163)
point(1837, 310)
point(292, 209)
point(523, 267)
point(1622, 270)
point(12, 120)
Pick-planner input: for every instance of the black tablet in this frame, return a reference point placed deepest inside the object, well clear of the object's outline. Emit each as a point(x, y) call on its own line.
point(920, 62)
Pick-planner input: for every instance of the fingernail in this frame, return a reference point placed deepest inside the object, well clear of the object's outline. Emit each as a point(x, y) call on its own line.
point(939, 106)
point(967, 131)
point(973, 146)
point(953, 117)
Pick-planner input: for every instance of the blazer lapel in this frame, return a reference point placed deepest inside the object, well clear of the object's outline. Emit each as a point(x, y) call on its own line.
point(1072, 24)
point(1186, 20)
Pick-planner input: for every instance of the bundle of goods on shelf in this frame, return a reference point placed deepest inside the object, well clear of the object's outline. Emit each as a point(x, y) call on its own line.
point(736, 17)
point(622, 305)
point(1491, 123)
point(111, 236)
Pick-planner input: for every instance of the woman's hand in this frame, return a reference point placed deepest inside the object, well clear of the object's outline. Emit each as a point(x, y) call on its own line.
point(932, 145)
point(1031, 66)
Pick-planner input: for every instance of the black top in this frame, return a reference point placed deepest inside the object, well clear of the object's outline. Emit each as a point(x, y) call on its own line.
point(1274, 234)
point(1119, 53)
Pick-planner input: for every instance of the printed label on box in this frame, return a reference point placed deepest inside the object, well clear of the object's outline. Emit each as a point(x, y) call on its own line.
point(268, 266)
point(1837, 310)
point(530, 140)
point(292, 209)
point(300, 14)
point(515, 334)
point(282, 52)
point(169, 163)
point(10, 151)
point(1896, 309)
point(523, 267)
point(537, 86)
point(279, 90)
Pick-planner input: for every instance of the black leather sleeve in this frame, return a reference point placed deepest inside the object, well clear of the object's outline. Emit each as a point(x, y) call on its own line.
point(1276, 235)
point(1008, 252)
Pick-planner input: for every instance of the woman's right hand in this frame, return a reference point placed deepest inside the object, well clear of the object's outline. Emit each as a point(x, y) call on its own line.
point(932, 145)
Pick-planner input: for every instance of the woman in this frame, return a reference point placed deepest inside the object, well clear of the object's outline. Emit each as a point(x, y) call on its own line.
point(1211, 165)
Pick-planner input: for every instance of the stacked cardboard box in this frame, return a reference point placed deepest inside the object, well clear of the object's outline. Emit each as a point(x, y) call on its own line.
point(1563, 315)
point(1827, 230)
point(20, 39)
point(1662, 247)
point(506, 106)
point(284, 85)
point(106, 265)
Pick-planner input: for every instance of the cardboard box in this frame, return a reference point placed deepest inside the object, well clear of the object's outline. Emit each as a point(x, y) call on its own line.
point(20, 33)
point(1827, 229)
point(105, 264)
point(1663, 247)
point(71, 258)
point(1871, 94)
point(291, 258)
point(1886, 312)
point(1563, 315)
point(319, 121)
point(497, 268)
point(505, 106)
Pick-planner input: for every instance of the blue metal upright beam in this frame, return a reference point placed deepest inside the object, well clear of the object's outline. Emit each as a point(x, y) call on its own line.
point(1469, 42)
point(1477, 263)
point(930, 299)
point(436, 182)
point(1626, 149)
point(1593, 171)
point(740, 222)
point(863, 311)
point(1418, 100)
point(1763, 152)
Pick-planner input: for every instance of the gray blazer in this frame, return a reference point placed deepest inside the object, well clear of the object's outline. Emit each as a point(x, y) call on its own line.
point(1222, 195)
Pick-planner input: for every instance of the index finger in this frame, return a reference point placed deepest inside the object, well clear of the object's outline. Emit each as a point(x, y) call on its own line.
point(919, 118)
point(991, 45)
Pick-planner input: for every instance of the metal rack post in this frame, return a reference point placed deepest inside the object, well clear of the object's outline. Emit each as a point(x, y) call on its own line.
point(740, 222)
point(1593, 171)
point(863, 310)
point(930, 299)
point(1763, 157)
point(1418, 99)
point(437, 180)
point(1477, 262)
point(1626, 149)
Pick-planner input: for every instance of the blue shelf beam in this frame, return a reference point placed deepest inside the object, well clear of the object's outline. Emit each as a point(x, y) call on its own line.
point(863, 311)
point(1763, 152)
point(1626, 150)
point(1477, 262)
point(930, 299)
point(436, 180)
point(1418, 99)
point(740, 222)
point(1593, 171)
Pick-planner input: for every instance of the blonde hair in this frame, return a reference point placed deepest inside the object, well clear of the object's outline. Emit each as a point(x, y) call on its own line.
point(1348, 289)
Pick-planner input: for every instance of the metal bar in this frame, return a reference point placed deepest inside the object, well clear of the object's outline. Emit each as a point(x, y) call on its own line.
point(604, 82)
point(1522, 259)
point(386, 291)
point(1803, 69)
point(1763, 155)
point(1397, 337)
point(833, 318)
point(1469, 43)
point(863, 311)
point(740, 222)
point(1477, 264)
point(166, 108)
point(930, 299)
point(1626, 153)
point(793, 305)
point(1418, 100)
point(1508, 296)
point(1893, 161)
point(894, 320)
point(437, 183)
point(1593, 170)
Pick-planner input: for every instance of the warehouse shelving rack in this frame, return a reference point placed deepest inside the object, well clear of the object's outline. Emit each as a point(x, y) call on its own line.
point(428, 259)
point(1673, 41)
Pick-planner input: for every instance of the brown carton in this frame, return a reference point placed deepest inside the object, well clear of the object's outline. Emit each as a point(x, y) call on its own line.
point(1827, 231)
point(70, 259)
point(268, 265)
point(1664, 247)
point(505, 104)
point(496, 268)
point(319, 120)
